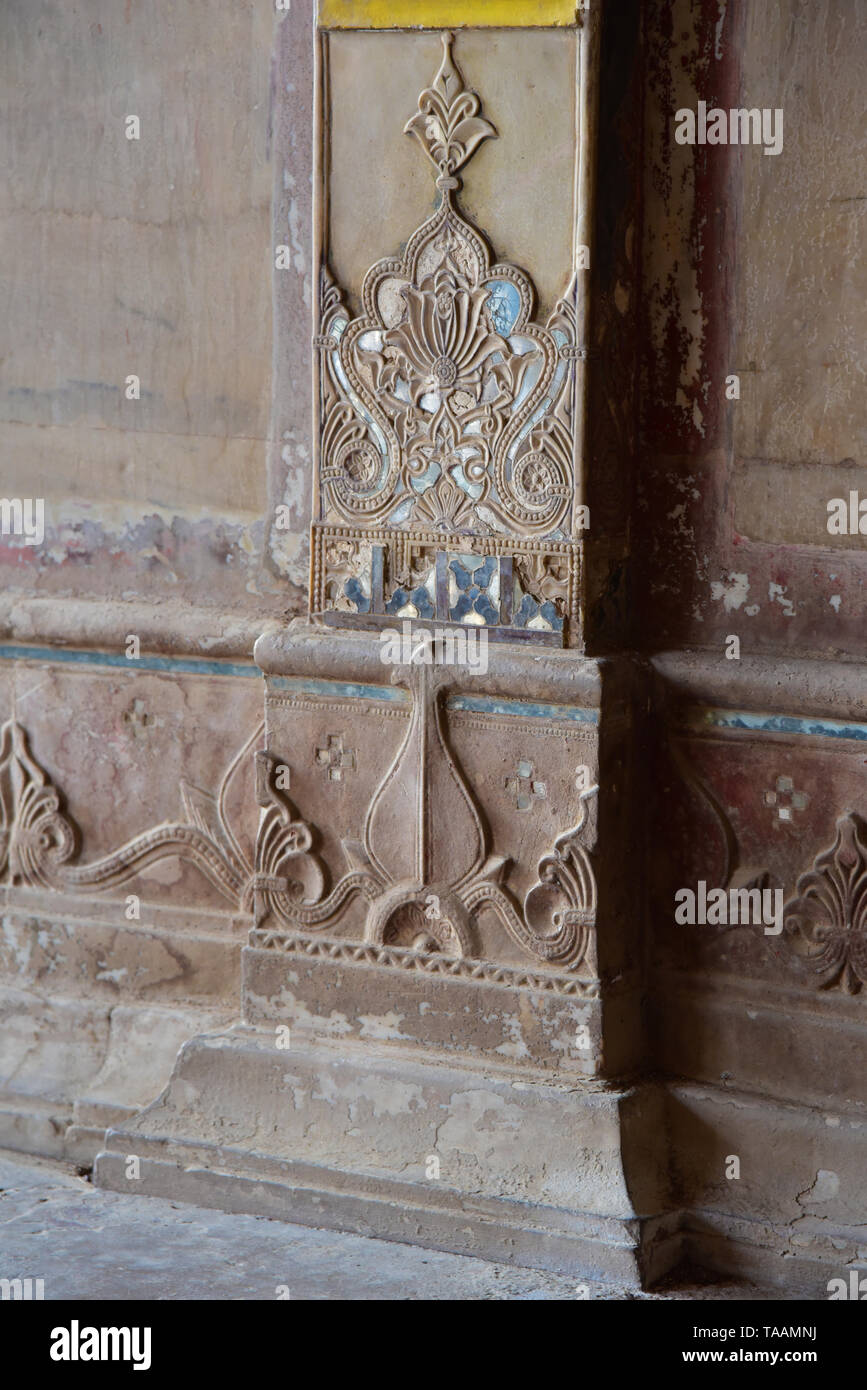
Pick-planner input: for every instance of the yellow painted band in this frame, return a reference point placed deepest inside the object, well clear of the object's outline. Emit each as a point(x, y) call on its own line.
point(437, 14)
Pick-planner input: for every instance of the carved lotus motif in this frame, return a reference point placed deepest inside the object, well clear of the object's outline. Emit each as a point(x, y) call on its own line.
point(445, 340)
point(444, 506)
point(826, 923)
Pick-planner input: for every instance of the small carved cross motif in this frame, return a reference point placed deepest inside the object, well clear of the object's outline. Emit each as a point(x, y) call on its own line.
point(137, 719)
point(335, 758)
point(523, 786)
point(786, 799)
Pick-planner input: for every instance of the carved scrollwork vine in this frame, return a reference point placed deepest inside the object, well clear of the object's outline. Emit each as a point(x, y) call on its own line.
point(559, 910)
point(824, 922)
point(39, 842)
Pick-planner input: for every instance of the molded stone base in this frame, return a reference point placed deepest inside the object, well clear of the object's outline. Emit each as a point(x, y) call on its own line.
point(75, 1066)
point(346, 1137)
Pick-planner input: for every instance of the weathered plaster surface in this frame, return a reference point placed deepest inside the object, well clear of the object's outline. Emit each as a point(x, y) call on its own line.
point(147, 257)
point(751, 268)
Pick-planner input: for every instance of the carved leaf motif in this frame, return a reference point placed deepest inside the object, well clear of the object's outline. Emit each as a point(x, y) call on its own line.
point(559, 910)
point(826, 922)
point(37, 839)
point(444, 506)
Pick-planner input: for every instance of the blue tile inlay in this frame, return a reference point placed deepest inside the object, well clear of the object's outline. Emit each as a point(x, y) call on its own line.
point(780, 724)
point(473, 580)
point(76, 657)
point(530, 608)
point(504, 305)
point(344, 690)
point(524, 709)
point(420, 598)
point(355, 593)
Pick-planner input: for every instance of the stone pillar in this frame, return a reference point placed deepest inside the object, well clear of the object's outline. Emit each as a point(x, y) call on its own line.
point(440, 990)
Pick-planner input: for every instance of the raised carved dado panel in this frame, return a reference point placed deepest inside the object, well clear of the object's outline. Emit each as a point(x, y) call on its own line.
point(446, 454)
point(774, 814)
point(426, 849)
point(40, 842)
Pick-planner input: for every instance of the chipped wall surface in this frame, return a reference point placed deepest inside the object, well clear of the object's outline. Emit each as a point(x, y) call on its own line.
point(124, 901)
point(755, 762)
point(752, 267)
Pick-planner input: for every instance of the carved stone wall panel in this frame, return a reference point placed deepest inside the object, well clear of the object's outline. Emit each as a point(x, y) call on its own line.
point(447, 454)
point(136, 750)
point(436, 817)
point(127, 822)
point(771, 803)
point(373, 82)
point(526, 770)
point(307, 725)
point(759, 787)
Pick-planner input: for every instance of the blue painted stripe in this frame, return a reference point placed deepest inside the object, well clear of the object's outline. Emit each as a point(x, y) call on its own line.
point(344, 690)
point(780, 724)
point(75, 657)
point(523, 709)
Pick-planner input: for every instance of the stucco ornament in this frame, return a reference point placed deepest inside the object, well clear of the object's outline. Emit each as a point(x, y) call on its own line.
point(448, 125)
point(444, 405)
point(39, 841)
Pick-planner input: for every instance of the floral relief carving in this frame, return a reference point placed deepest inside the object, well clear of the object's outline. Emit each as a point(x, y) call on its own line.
point(424, 887)
point(824, 922)
point(444, 406)
point(448, 125)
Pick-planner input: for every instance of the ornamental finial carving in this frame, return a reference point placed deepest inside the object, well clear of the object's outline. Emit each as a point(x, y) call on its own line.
point(448, 125)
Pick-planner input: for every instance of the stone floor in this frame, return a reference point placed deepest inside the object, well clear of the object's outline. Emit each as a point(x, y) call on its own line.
point(89, 1244)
